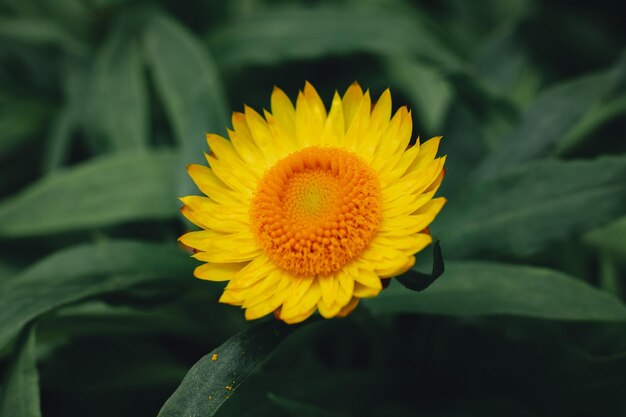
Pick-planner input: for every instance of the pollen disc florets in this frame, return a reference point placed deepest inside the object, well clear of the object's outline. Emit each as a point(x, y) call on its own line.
point(316, 210)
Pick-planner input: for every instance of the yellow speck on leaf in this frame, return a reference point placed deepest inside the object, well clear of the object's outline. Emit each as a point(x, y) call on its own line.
point(229, 387)
point(214, 357)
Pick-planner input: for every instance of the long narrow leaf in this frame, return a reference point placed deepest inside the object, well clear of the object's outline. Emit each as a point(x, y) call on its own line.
point(482, 288)
point(550, 117)
point(529, 208)
point(20, 389)
point(297, 33)
point(105, 191)
point(189, 86)
point(119, 97)
point(84, 271)
point(214, 378)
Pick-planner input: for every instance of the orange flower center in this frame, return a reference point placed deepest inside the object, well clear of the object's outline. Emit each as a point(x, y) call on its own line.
point(316, 210)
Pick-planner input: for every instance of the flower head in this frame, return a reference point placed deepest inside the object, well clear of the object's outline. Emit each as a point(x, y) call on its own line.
point(307, 209)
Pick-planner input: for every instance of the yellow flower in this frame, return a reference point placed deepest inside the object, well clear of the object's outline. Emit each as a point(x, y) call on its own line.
point(308, 209)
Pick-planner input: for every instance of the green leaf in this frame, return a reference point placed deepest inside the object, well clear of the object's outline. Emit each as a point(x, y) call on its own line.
point(526, 209)
point(214, 378)
point(283, 34)
point(300, 409)
point(419, 281)
point(189, 86)
point(594, 119)
point(20, 389)
point(120, 99)
point(40, 31)
point(98, 193)
point(482, 288)
point(549, 118)
point(72, 117)
point(463, 136)
point(504, 64)
point(429, 92)
point(59, 139)
point(81, 272)
point(610, 238)
point(6, 270)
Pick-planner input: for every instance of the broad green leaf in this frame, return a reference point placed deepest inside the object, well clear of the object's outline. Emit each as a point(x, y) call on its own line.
point(119, 109)
point(6, 270)
point(549, 118)
point(40, 31)
point(98, 193)
point(526, 209)
point(610, 238)
point(20, 389)
point(482, 288)
point(188, 85)
point(429, 92)
point(299, 409)
point(283, 34)
point(215, 377)
point(81, 272)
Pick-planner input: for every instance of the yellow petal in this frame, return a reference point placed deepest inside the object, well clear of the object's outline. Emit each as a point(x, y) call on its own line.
point(328, 286)
point(414, 182)
point(294, 312)
point(394, 140)
point(351, 102)
point(230, 297)
point(212, 186)
point(226, 152)
point(349, 308)
point(306, 302)
point(369, 279)
point(428, 152)
point(256, 270)
point(300, 287)
point(409, 203)
point(358, 129)
point(265, 289)
point(297, 318)
point(316, 105)
point(363, 291)
point(218, 272)
point(381, 115)
point(207, 214)
point(235, 255)
point(261, 133)
point(346, 285)
point(413, 223)
point(310, 118)
point(200, 239)
point(328, 310)
point(284, 112)
point(334, 130)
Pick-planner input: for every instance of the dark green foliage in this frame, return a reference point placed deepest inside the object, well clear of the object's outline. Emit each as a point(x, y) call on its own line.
point(215, 377)
point(104, 102)
point(20, 388)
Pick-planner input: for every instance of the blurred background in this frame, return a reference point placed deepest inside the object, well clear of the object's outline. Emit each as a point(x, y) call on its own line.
point(104, 102)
